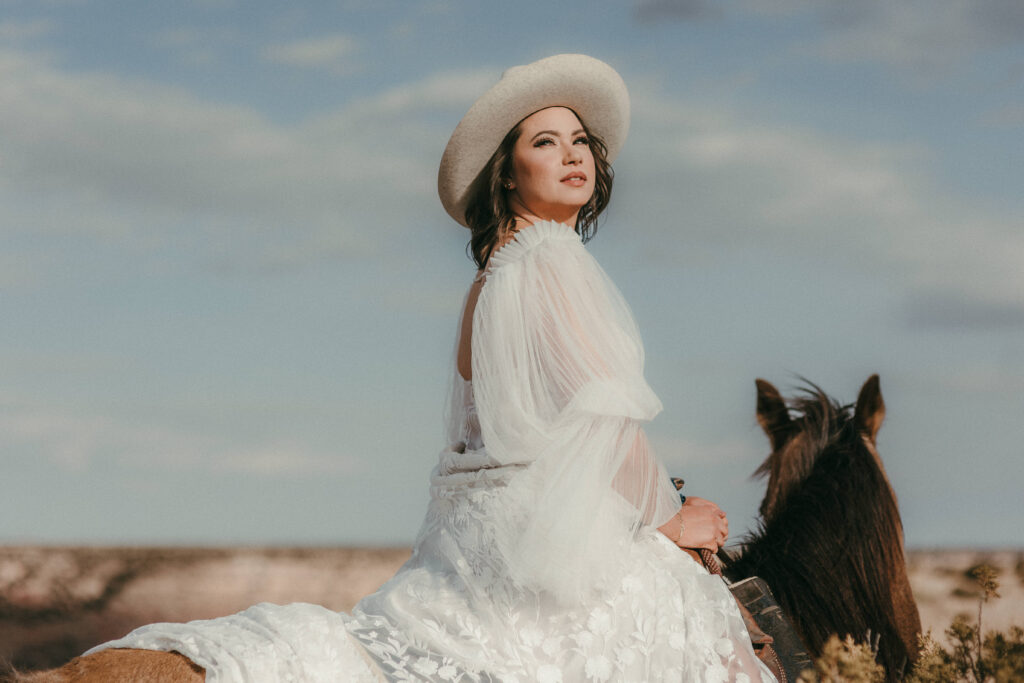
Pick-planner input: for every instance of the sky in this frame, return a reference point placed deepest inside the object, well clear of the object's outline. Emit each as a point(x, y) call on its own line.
point(229, 293)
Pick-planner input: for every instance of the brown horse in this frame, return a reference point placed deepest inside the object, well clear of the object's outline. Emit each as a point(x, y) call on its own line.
point(830, 542)
point(830, 539)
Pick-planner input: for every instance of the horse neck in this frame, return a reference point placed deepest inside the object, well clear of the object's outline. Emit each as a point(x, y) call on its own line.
point(831, 551)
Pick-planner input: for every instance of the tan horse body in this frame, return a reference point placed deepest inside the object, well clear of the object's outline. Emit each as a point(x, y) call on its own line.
point(121, 666)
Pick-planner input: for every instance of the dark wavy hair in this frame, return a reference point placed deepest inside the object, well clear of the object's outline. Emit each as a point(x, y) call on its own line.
point(488, 214)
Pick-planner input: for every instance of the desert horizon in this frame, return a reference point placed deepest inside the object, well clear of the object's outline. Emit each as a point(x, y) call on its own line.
point(58, 601)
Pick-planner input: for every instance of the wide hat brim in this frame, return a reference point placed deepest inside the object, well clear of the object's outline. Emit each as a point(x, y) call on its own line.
point(588, 86)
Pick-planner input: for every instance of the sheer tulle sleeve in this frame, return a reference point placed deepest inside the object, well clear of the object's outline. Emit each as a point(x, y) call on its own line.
point(559, 386)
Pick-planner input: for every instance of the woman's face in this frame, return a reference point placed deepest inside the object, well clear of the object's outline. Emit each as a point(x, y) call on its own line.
point(553, 170)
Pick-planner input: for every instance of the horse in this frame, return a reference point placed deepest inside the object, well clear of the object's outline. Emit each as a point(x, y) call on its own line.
point(829, 541)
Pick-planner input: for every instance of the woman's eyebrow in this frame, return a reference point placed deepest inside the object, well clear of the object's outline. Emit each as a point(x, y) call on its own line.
point(555, 133)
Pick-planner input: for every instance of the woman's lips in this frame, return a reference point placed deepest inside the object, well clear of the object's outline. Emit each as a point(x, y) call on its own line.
point(576, 179)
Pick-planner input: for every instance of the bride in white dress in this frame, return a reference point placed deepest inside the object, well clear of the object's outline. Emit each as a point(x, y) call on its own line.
point(549, 549)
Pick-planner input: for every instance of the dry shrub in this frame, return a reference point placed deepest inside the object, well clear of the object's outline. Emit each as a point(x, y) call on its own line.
point(845, 661)
point(996, 657)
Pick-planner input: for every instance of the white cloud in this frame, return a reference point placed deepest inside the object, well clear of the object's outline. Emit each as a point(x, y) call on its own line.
point(199, 46)
point(135, 161)
point(76, 440)
point(23, 30)
point(902, 35)
point(655, 10)
point(742, 182)
point(322, 52)
point(921, 38)
point(1008, 116)
point(973, 379)
point(22, 269)
point(192, 36)
point(941, 307)
point(95, 153)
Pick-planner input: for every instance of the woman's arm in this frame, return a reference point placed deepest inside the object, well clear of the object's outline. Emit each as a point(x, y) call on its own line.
point(559, 388)
point(704, 524)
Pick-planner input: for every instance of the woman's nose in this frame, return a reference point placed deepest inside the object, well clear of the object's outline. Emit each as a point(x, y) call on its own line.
point(573, 155)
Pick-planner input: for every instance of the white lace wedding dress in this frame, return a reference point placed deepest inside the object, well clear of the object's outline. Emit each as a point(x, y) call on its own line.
point(539, 558)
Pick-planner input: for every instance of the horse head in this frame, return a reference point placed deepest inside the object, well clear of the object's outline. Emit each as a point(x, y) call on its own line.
point(830, 541)
point(797, 443)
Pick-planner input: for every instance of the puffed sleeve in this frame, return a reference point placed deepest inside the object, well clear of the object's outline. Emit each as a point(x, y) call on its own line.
point(559, 387)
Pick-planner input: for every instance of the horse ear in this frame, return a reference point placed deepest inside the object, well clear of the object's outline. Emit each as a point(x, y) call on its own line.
point(773, 414)
point(870, 411)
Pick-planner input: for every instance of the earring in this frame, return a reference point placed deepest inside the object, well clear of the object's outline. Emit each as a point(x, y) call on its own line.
point(508, 185)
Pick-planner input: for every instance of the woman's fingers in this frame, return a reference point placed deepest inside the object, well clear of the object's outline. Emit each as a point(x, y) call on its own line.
point(704, 526)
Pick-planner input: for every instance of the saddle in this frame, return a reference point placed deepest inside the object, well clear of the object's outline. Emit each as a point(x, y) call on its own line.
point(775, 641)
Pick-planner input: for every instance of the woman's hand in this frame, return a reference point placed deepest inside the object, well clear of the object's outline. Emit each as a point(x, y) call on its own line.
point(704, 525)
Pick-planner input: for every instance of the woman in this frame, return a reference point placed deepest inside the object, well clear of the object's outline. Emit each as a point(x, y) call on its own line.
point(549, 550)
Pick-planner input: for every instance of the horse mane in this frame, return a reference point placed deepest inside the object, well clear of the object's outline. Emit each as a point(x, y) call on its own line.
point(830, 544)
point(822, 421)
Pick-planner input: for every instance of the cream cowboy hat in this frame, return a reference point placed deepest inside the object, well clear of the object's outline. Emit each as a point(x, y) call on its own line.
point(588, 86)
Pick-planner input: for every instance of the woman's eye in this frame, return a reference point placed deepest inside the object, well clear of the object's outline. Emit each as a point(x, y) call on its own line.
point(543, 141)
point(581, 139)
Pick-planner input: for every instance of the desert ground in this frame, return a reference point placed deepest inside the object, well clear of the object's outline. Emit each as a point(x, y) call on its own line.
point(57, 602)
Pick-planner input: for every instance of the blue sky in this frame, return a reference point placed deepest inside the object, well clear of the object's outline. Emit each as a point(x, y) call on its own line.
point(229, 292)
